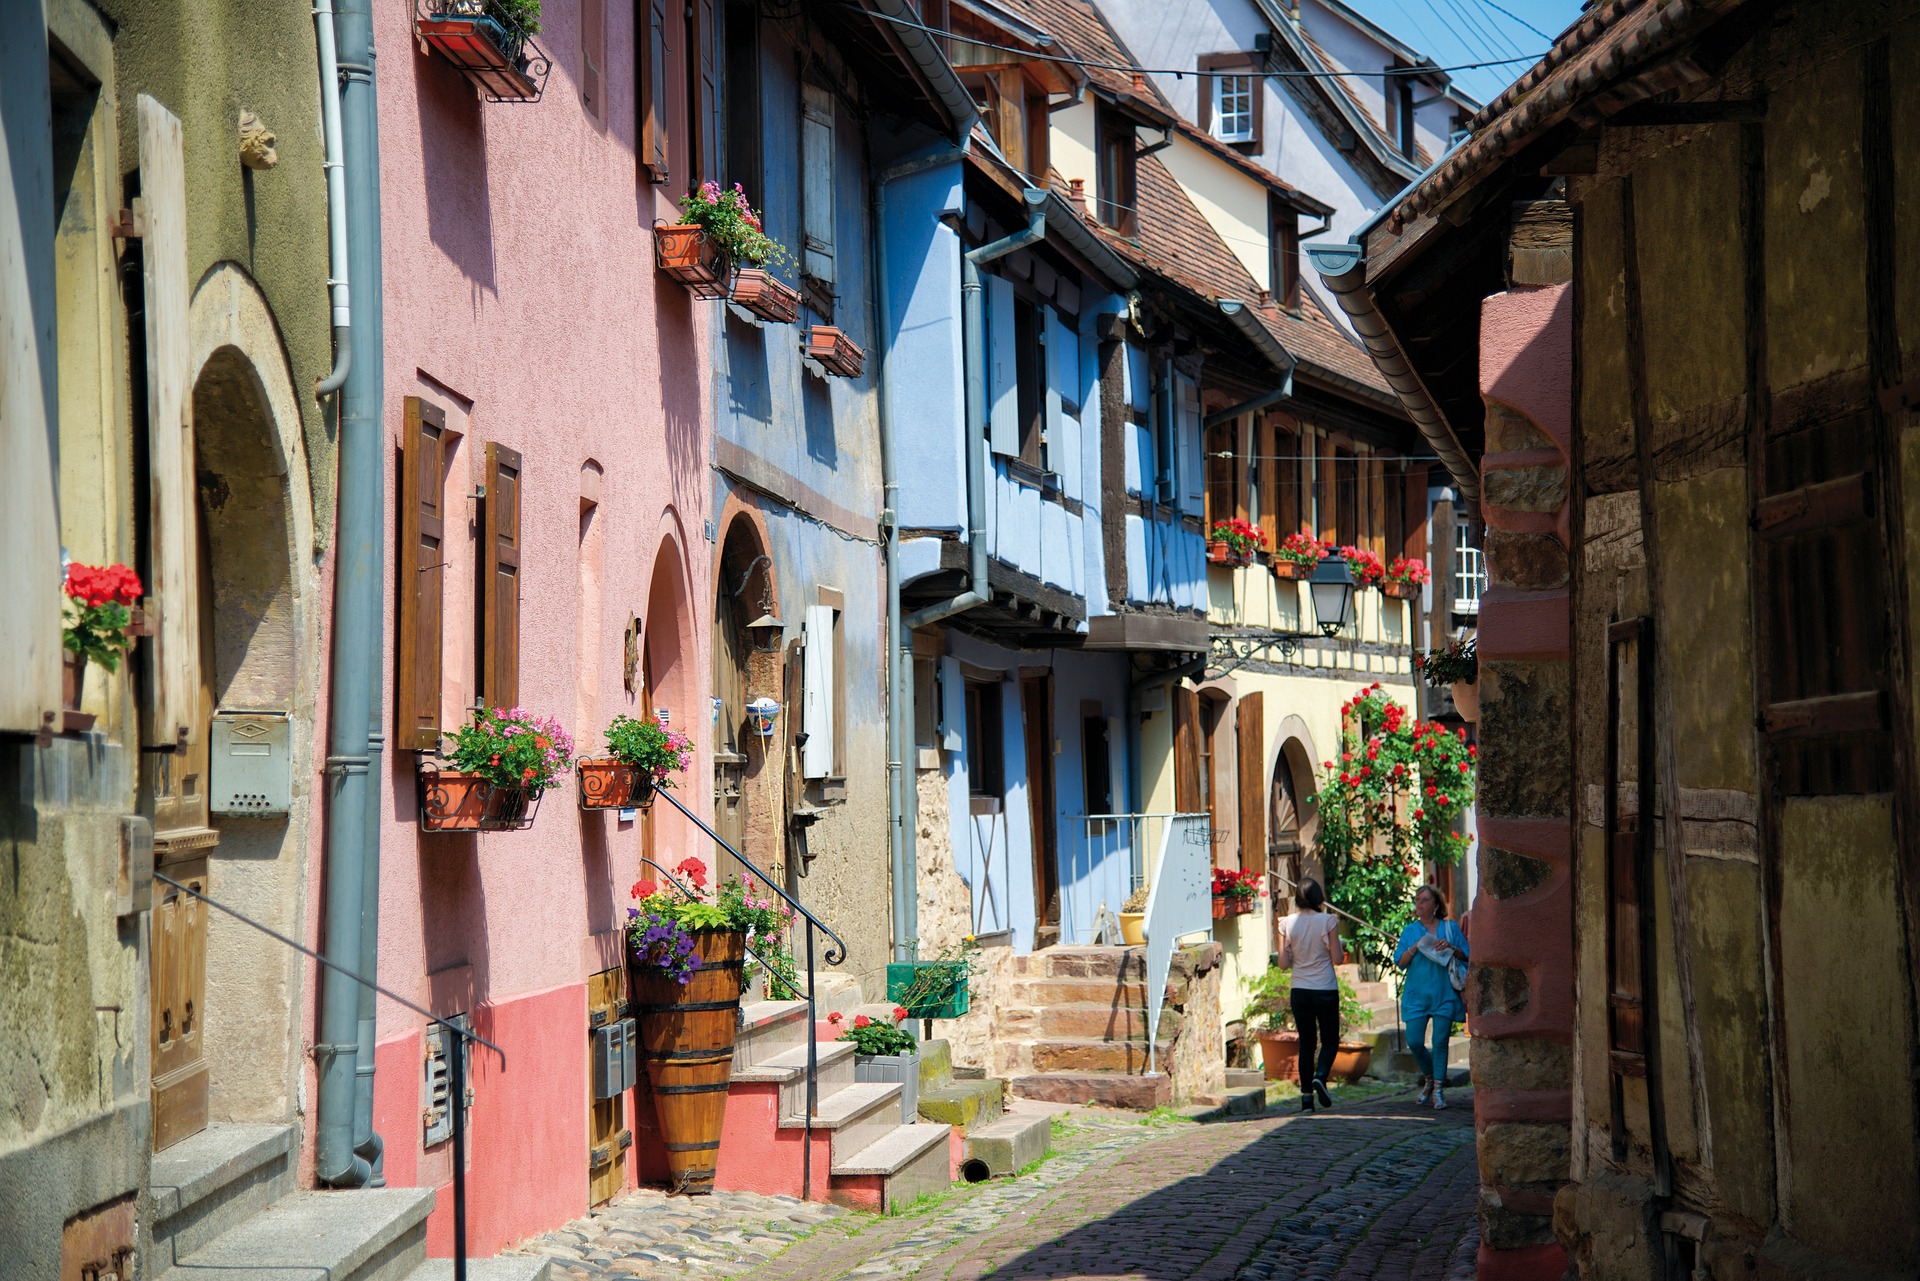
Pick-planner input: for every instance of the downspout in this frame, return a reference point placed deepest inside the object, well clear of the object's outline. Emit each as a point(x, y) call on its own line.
point(336, 200)
point(357, 618)
point(900, 772)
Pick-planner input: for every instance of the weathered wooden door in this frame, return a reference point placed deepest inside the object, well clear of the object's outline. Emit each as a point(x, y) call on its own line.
point(730, 649)
point(1036, 696)
point(607, 1135)
point(179, 998)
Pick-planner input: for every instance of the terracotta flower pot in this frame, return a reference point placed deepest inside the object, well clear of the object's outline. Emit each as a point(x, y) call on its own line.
point(1297, 570)
point(606, 784)
point(452, 801)
point(761, 293)
point(684, 252)
point(1399, 589)
point(1466, 700)
point(1351, 1060)
point(837, 352)
point(1279, 1054)
point(1221, 552)
point(1133, 928)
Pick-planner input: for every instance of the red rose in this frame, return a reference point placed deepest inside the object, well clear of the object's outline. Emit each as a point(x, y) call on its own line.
point(1430, 791)
point(1346, 756)
point(1419, 813)
point(1366, 771)
point(1444, 802)
point(861, 1020)
point(1463, 767)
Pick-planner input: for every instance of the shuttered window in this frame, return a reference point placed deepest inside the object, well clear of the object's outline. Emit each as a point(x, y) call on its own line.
point(986, 742)
point(703, 94)
point(1003, 377)
point(1030, 363)
point(816, 183)
point(742, 88)
point(500, 593)
point(650, 68)
point(1226, 496)
point(173, 579)
point(420, 567)
point(1250, 732)
point(820, 692)
point(593, 57)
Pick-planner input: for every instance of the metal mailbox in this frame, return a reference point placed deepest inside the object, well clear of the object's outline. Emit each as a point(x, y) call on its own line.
point(252, 765)
point(615, 1058)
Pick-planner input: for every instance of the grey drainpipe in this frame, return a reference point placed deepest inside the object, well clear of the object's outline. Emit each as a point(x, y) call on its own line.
point(973, 324)
point(357, 620)
point(900, 771)
point(336, 200)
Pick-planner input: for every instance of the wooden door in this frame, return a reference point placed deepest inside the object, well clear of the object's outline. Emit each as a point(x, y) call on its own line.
point(1036, 697)
point(178, 954)
point(1283, 843)
point(607, 1135)
point(730, 748)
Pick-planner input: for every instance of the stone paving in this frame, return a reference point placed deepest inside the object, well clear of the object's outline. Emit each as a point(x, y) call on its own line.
point(1373, 1192)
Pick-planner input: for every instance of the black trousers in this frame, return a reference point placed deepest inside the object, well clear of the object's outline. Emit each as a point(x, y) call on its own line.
point(1317, 1016)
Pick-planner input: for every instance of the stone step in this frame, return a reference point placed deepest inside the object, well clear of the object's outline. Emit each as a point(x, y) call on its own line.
point(1043, 991)
point(1083, 963)
point(857, 1115)
point(894, 1170)
point(1085, 1019)
point(369, 1234)
point(1010, 1144)
point(213, 1181)
point(833, 1071)
point(507, 1267)
point(768, 1028)
point(967, 1104)
point(1103, 1089)
point(1079, 1054)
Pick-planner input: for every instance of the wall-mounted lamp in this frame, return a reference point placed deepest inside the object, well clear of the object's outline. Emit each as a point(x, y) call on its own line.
point(1332, 589)
point(766, 631)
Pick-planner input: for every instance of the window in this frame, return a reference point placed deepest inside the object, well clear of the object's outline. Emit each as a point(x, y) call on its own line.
point(1346, 498)
point(1399, 104)
point(823, 696)
point(1285, 244)
point(816, 184)
point(1226, 473)
point(928, 713)
point(1096, 762)
point(1115, 195)
point(650, 90)
point(1469, 571)
point(1233, 108)
point(1212, 713)
point(744, 146)
point(986, 776)
point(1030, 359)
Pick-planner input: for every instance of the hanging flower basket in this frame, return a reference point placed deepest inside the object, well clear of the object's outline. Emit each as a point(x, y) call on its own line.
point(1225, 905)
point(684, 252)
point(452, 800)
point(1221, 552)
point(606, 784)
point(484, 42)
point(835, 351)
point(510, 809)
point(766, 296)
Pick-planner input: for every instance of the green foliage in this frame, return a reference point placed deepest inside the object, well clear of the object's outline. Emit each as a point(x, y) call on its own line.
point(512, 748)
point(1387, 807)
point(649, 746)
point(733, 224)
point(521, 14)
point(1271, 999)
point(703, 916)
point(879, 1036)
point(1352, 1013)
point(97, 614)
point(943, 978)
point(1457, 660)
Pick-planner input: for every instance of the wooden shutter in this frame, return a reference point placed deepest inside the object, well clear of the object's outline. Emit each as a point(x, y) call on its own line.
point(29, 485)
point(1250, 730)
point(1442, 523)
point(173, 579)
point(703, 95)
point(593, 57)
point(816, 182)
point(1186, 750)
point(419, 559)
point(1003, 369)
point(817, 694)
point(500, 606)
point(1190, 446)
point(651, 63)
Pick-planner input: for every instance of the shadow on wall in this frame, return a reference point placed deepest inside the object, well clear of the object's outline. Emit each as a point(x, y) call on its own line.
point(748, 382)
point(816, 400)
point(453, 141)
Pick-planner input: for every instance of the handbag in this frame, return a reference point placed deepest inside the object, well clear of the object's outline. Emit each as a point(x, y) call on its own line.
point(1457, 971)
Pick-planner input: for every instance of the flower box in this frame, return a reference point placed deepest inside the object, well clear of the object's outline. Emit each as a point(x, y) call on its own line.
point(509, 809)
point(497, 57)
point(1399, 589)
point(452, 800)
point(1225, 905)
point(606, 784)
point(900, 979)
point(1297, 570)
point(1222, 552)
point(893, 1069)
point(683, 252)
point(835, 351)
point(766, 296)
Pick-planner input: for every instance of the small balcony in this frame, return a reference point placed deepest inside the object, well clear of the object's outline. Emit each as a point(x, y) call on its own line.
point(487, 43)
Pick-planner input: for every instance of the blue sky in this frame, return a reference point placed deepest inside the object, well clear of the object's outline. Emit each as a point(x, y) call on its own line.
point(1452, 32)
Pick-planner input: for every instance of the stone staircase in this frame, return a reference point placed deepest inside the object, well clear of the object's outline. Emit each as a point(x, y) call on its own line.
point(226, 1208)
point(863, 1155)
point(1072, 1027)
point(973, 1106)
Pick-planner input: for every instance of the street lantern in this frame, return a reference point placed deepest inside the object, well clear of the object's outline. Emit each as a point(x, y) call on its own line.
point(1332, 588)
point(766, 631)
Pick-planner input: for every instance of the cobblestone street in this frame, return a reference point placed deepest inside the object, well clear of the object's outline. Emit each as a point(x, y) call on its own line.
point(1372, 1192)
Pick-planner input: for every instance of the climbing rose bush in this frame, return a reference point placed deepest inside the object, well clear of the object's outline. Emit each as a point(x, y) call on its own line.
point(1387, 806)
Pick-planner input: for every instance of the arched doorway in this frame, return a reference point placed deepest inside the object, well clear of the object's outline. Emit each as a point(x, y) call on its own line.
point(666, 691)
point(743, 593)
point(1289, 826)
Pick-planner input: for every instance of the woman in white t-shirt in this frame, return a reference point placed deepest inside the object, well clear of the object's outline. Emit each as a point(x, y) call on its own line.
point(1310, 947)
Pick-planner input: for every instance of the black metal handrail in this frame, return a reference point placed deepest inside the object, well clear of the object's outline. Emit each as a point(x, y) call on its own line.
point(836, 953)
point(456, 1060)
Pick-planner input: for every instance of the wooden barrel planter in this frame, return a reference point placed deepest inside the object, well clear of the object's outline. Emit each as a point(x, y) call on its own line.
point(686, 1041)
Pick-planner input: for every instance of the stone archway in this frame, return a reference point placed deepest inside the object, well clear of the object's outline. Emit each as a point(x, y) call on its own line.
point(1291, 819)
point(746, 785)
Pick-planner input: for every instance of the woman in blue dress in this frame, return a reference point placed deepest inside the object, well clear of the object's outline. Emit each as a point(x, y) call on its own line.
point(1429, 1003)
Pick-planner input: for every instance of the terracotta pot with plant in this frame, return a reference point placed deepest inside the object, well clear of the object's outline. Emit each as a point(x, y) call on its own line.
point(1368, 569)
point(1234, 893)
point(1298, 555)
point(97, 627)
point(642, 754)
point(1233, 542)
point(502, 761)
point(1403, 578)
point(1269, 1015)
point(1133, 919)
point(1352, 1058)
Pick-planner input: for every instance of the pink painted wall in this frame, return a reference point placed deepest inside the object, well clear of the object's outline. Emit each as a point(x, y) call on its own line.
point(521, 297)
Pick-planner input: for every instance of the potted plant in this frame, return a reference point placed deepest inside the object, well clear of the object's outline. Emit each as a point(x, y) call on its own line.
point(885, 1052)
point(1234, 892)
point(1456, 665)
point(1403, 577)
point(1233, 542)
point(641, 754)
point(835, 351)
point(1352, 1058)
point(501, 760)
point(1298, 555)
point(1133, 918)
point(97, 627)
point(935, 989)
point(489, 41)
point(1270, 1014)
point(686, 956)
point(1367, 569)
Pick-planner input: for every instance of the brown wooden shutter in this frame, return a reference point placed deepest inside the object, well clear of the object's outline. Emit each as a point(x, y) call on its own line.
point(419, 558)
point(500, 604)
point(703, 97)
point(173, 651)
point(1186, 750)
point(593, 57)
point(1251, 784)
point(650, 63)
point(1265, 448)
point(816, 183)
point(1442, 523)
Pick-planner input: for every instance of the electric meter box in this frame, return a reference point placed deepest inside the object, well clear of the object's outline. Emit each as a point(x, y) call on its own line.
point(252, 764)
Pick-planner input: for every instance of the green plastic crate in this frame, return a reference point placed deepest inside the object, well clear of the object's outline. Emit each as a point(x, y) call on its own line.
point(900, 977)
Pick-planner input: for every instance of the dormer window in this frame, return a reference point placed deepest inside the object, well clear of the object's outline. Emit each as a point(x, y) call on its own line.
point(1115, 157)
point(1231, 91)
point(1399, 108)
point(1233, 108)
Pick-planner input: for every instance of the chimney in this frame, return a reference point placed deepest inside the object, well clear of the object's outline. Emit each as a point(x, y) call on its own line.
point(1077, 192)
point(1139, 82)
